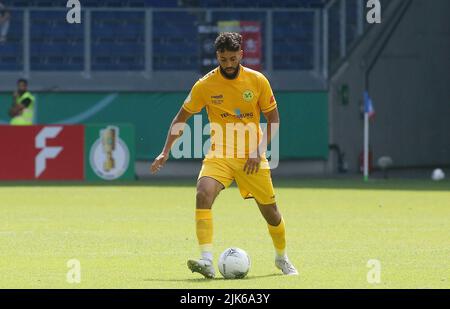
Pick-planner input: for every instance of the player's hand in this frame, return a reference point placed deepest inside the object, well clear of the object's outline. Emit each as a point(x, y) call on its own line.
point(252, 164)
point(159, 162)
point(16, 110)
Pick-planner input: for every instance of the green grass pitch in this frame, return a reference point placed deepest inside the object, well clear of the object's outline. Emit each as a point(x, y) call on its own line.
point(140, 236)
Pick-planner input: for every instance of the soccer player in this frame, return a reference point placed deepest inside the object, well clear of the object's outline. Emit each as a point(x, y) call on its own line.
point(232, 94)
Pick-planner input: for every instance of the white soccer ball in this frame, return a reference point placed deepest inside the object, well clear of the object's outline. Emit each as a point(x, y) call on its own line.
point(438, 174)
point(234, 263)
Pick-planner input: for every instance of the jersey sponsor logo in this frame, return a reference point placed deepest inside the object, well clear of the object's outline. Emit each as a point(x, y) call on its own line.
point(217, 99)
point(248, 95)
point(238, 115)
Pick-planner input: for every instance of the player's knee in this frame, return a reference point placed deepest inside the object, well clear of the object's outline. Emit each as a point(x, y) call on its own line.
point(271, 214)
point(274, 219)
point(204, 198)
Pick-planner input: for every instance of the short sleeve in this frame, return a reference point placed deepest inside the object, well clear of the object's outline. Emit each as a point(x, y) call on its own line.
point(194, 102)
point(26, 102)
point(266, 100)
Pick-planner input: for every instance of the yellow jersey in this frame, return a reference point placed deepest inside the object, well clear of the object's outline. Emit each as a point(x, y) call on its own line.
point(234, 109)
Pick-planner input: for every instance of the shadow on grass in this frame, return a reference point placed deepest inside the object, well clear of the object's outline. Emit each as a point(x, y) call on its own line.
point(203, 280)
point(350, 183)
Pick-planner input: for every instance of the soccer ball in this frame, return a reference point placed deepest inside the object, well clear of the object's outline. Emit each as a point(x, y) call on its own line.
point(234, 263)
point(438, 174)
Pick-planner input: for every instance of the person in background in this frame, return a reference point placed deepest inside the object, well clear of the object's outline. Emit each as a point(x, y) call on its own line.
point(5, 17)
point(22, 108)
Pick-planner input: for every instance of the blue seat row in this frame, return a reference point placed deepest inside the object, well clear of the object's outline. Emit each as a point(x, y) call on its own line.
point(172, 3)
point(121, 35)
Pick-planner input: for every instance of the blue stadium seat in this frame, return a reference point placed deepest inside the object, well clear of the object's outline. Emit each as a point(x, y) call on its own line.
point(118, 37)
point(118, 40)
point(171, 3)
point(54, 42)
point(295, 50)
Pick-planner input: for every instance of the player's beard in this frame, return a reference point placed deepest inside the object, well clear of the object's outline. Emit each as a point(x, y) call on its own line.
point(232, 75)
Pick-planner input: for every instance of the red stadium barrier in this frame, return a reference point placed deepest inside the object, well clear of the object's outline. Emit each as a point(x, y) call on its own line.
point(42, 152)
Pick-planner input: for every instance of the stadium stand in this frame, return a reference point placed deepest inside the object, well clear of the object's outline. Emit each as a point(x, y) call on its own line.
point(172, 3)
point(118, 37)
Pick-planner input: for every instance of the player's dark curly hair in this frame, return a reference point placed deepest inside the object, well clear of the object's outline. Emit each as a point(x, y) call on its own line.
point(230, 41)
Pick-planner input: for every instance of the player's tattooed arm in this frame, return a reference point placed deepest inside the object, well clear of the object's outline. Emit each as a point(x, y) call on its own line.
point(175, 131)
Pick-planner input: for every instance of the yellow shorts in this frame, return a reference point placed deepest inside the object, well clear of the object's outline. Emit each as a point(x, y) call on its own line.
point(257, 185)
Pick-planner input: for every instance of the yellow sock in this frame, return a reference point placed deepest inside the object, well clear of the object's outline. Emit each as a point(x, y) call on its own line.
point(204, 227)
point(278, 234)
